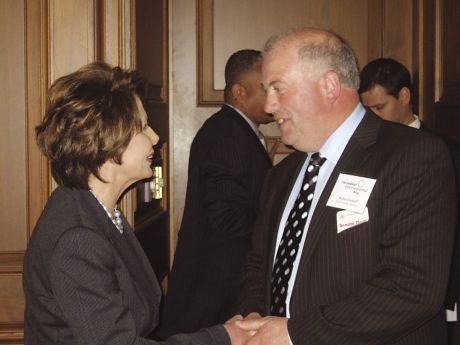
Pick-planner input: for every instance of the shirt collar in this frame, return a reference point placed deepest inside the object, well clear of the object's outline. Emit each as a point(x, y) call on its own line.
point(251, 123)
point(416, 123)
point(333, 147)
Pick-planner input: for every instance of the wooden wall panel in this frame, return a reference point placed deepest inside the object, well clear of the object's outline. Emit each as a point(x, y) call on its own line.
point(109, 33)
point(451, 51)
point(13, 124)
point(151, 33)
point(71, 35)
point(224, 27)
point(11, 298)
point(397, 31)
point(447, 108)
point(14, 167)
point(241, 24)
point(424, 47)
point(374, 28)
point(38, 177)
point(116, 32)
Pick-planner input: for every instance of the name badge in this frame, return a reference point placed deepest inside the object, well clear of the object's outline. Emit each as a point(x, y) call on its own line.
point(351, 193)
point(348, 219)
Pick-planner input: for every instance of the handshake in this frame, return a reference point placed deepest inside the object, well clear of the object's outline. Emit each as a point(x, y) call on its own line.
point(257, 330)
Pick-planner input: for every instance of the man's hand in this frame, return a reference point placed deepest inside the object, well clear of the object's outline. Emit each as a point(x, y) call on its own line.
point(270, 330)
point(252, 316)
point(238, 336)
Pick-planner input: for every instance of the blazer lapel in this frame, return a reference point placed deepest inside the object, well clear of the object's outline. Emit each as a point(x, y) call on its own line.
point(140, 270)
point(356, 153)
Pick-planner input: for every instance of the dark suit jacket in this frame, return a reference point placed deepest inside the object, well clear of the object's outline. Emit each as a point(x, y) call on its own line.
point(383, 281)
point(85, 283)
point(227, 167)
point(453, 289)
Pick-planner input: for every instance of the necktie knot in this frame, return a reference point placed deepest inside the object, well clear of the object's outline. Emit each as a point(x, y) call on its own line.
point(317, 160)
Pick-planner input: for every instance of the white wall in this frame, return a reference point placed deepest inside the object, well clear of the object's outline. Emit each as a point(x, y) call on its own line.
point(186, 118)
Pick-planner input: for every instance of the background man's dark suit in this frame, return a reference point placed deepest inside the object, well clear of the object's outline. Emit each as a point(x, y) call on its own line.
point(453, 291)
point(383, 281)
point(86, 283)
point(227, 167)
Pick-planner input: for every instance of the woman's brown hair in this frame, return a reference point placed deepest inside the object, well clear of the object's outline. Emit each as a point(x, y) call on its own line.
point(91, 117)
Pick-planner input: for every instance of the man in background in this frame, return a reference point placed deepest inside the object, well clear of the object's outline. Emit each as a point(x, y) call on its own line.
point(354, 238)
point(227, 166)
point(386, 88)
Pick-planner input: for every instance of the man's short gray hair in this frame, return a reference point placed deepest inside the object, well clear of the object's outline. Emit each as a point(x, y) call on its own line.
point(325, 50)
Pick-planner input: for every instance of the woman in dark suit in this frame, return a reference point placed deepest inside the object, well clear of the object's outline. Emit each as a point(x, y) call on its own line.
point(86, 278)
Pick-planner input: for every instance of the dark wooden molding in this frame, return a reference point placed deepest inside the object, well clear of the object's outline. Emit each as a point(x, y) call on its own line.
point(447, 107)
point(11, 333)
point(37, 83)
point(424, 59)
point(375, 29)
point(11, 262)
point(207, 95)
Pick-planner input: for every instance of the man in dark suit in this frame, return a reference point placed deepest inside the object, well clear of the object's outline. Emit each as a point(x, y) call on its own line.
point(227, 166)
point(362, 255)
point(386, 88)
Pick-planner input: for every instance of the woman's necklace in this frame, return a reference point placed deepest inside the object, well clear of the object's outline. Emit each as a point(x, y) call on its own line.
point(116, 220)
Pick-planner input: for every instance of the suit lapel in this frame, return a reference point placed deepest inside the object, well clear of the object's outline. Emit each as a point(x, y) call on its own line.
point(355, 154)
point(135, 262)
point(140, 269)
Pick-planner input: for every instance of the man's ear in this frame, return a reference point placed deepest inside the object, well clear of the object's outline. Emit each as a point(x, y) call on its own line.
point(331, 86)
point(404, 96)
point(238, 93)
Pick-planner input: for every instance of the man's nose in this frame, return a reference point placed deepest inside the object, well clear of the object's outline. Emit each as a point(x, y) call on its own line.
point(271, 104)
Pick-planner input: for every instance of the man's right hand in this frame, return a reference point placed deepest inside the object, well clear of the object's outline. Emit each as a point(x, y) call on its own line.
point(237, 335)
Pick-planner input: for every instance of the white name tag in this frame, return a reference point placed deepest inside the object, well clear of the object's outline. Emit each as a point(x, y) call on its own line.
point(451, 315)
point(351, 193)
point(347, 219)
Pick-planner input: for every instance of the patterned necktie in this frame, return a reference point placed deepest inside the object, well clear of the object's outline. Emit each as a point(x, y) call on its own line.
point(292, 234)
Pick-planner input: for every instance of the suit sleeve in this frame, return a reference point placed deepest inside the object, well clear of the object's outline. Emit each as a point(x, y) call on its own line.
point(227, 189)
point(407, 288)
point(84, 283)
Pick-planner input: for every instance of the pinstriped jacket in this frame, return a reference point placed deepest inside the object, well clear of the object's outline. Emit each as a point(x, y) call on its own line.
point(380, 282)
